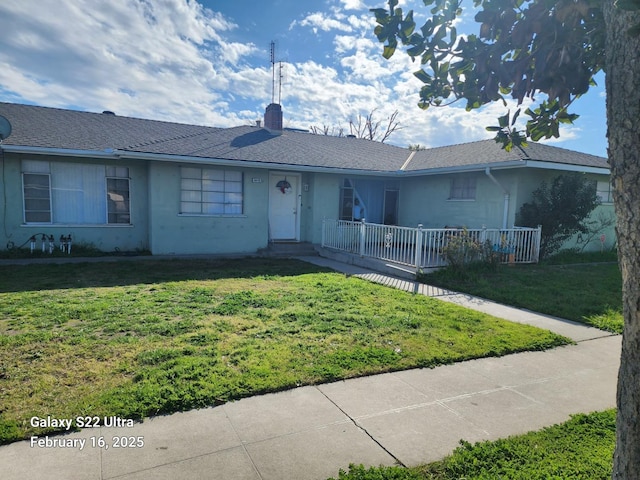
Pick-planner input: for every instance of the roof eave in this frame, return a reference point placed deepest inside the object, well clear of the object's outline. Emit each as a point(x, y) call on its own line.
point(567, 167)
point(61, 152)
point(481, 167)
point(478, 167)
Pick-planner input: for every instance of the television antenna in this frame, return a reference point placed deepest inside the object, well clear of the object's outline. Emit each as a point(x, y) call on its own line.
point(273, 75)
point(5, 128)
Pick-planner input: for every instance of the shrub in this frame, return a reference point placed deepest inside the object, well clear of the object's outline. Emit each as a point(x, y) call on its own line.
point(561, 208)
point(464, 250)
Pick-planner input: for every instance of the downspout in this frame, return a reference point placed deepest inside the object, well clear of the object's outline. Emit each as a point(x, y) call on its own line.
point(505, 213)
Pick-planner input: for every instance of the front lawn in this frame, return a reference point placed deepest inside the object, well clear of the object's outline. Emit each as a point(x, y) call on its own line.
point(581, 448)
point(141, 338)
point(589, 293)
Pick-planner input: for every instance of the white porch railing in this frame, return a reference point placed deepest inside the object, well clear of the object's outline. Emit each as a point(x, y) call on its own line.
point(424, 247)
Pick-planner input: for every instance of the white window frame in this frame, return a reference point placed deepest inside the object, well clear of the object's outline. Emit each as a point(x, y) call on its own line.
point(206, 191)
point(128, 200)
point(44, 168)
point(604, 191)
point(24, 200)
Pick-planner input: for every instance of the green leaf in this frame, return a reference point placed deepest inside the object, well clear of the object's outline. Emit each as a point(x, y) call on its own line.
point(423, 76)
point(536, 134)
point(407, 26)
point(427, 29)
point(380, 13)
point(504, 121)
point(515, 117)
point(390, 49)
point(568, 118)
point(415, 51)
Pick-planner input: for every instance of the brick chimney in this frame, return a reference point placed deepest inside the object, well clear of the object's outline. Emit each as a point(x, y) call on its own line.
point(273, 118)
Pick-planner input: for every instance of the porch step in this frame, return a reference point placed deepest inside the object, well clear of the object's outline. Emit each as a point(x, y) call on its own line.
point(288, 249)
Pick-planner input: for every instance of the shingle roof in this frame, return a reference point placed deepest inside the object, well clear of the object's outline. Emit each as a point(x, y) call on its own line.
point(290, 148)
point(488, 152)
point(67, 129)
point(53, 128)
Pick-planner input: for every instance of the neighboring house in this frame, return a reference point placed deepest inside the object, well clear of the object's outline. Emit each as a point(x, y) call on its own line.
point(126, 183)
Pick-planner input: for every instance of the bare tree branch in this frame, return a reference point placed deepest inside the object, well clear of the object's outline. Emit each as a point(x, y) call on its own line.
point(366, 127)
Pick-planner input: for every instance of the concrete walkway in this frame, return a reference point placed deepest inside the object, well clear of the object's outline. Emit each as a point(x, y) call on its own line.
point(407, 418)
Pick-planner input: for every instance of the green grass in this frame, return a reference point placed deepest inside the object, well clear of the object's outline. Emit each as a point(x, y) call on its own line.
point(135, 339)
point(581, 448)
point(571, 256)
point(588, 293)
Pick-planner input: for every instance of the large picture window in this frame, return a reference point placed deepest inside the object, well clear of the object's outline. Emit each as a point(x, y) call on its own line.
point(211, 191)
point(75, 194)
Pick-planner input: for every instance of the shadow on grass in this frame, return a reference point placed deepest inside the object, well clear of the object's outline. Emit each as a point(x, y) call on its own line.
point(23, 278)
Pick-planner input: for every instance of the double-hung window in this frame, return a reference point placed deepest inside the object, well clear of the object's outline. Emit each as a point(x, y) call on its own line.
point(604, 191)
point(463, 188)
point(118, 205)
point(211, 191)
point(37, 197)
point(75, 193)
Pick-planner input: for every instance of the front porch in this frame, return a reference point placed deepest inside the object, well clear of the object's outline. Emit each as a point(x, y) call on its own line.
point(413, 250)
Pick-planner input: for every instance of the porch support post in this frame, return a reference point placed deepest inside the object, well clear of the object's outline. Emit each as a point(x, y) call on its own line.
point(538, 239)
point(362, 237)
point(324, 232)
point(418, 253)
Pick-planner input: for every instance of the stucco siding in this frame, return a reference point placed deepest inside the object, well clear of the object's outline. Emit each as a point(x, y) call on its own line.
point(174, 233)
point(426, 201)
point(324, 203)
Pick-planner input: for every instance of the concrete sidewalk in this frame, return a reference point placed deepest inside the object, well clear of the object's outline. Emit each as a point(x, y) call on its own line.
point(408, 417)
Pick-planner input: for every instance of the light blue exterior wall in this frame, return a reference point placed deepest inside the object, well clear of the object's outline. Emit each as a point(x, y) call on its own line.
point(425, 200)
point(104, 237)
point(324, 199)
point(174, 233)
point(529, 183)
point(158, 225)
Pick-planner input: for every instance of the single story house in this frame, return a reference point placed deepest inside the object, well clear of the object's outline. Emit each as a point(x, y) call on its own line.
point(127, 183)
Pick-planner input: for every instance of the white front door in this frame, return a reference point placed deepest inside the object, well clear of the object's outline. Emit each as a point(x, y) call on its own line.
point(284, 206)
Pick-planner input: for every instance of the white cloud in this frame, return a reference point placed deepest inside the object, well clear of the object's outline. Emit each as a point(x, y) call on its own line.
point(166, 57)
point(175, 60)
point(321, 21)
point(352, 4)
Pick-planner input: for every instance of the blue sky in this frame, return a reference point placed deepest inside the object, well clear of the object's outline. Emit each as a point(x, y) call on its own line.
point(207, 62)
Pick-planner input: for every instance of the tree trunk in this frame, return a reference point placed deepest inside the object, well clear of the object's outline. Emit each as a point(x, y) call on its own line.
point(622, 65)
